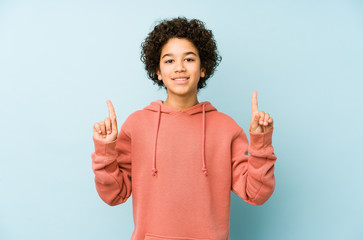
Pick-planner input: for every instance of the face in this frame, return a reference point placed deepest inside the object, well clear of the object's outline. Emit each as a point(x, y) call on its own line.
point(180, 67)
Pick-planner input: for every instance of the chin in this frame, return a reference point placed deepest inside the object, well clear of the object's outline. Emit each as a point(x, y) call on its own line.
point(184, 94)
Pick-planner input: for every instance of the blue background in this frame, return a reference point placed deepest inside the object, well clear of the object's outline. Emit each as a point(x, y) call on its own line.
point(61, 60)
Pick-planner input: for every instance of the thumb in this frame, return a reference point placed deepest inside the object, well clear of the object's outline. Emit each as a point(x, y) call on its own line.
point(114, 124)
point(254, 122)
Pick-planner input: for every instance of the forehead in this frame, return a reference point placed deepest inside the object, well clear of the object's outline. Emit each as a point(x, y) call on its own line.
point(177, 46)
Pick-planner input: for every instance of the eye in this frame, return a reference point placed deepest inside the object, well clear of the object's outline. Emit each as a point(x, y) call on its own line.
point(189, 59)
point(169, 61)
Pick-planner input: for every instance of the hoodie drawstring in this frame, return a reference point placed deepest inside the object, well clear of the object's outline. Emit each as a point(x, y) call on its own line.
point(204, 169)
point(154, 170)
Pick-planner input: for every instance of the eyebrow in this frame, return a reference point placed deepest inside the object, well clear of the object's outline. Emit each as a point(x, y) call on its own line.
point(186, 53)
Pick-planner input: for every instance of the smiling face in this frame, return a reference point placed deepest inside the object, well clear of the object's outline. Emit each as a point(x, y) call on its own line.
point(180, 67)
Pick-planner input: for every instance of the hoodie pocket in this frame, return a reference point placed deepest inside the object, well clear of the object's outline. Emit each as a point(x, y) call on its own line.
point(149, 236)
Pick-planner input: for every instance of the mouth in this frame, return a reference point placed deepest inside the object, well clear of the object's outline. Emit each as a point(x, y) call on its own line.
point(180, 80)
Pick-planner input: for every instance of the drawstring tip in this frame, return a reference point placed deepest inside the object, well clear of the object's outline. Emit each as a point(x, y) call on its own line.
point(205, 171)
point(154, 171)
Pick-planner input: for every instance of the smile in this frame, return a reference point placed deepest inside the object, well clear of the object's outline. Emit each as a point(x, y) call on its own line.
point(180, 80)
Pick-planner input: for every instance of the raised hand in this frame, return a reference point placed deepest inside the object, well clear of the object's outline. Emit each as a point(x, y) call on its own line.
point(106, 131)
point(260, 121)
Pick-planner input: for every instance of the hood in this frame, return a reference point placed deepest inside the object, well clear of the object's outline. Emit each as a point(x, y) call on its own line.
point(158, 107)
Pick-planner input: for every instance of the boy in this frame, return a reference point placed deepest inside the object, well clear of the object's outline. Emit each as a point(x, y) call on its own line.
point(181, 158)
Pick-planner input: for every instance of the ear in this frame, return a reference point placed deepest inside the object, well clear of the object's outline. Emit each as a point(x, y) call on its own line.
point(202, 72)
point(159, 74)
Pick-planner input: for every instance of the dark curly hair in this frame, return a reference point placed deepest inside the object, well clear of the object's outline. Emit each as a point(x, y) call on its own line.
point(194, 30)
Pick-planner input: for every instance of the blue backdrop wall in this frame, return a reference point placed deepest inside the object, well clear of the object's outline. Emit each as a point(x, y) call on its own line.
point(61, 60)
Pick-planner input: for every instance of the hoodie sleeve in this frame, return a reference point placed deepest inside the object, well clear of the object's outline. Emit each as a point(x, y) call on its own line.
point(111, 164)
point(253, 176)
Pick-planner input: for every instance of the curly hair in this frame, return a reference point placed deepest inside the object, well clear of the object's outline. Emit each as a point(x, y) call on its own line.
point(194, 30)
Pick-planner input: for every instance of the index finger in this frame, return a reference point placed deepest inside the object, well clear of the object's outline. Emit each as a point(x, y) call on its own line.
point(111, 110)
point(254, 102)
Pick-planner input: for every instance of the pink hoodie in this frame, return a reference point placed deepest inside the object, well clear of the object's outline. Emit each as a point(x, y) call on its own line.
point(181, 167)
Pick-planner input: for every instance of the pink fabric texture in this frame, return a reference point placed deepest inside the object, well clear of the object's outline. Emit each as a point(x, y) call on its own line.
point(181, 167)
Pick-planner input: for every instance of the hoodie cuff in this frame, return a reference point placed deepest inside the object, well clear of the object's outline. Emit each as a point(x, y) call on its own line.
point(261, 140)
point(105, 149)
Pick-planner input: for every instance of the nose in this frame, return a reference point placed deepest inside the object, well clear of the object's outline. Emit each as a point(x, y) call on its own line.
point(179, 66)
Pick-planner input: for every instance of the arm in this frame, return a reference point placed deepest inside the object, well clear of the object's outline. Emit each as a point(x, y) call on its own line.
point(111, 164)
point(253, 176)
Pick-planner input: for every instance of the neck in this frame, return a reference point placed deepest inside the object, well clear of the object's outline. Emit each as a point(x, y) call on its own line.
point(181, 103)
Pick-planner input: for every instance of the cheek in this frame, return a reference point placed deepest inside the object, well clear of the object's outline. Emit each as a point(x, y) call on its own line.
point(197, 70)
point(164, 70)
